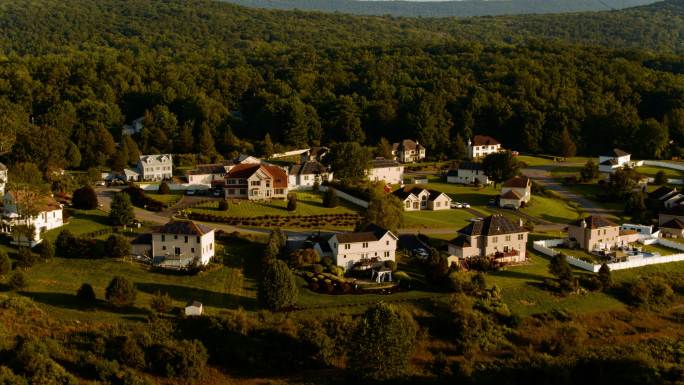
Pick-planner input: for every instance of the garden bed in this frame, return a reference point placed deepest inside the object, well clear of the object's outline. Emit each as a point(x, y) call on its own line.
point(280, 221)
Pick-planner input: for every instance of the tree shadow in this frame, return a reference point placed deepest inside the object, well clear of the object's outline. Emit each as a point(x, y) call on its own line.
point(208, 298)
point(517, 275)
point(70, 301)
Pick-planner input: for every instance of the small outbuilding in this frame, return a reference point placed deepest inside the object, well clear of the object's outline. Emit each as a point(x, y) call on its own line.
point(194, 308)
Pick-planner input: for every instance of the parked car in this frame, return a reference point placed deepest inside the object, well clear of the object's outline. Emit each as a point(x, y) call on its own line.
point(420, 253)
point(217, 192)
point(476, 219)
point(465, 205)
point(190, 192)
point(100, 183)
point(456, 205)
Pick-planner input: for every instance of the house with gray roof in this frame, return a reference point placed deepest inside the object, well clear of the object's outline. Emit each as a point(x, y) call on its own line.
point(615, 160)
point(468, 173)
point(415, 198)
point(387, 170)
point(179, 244)
point(155, 167)
point(365, 249)
point(408, 151)
point(495, 237)
point(303, 176)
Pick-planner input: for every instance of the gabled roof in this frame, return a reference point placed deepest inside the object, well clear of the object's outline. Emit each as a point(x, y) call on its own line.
point(493, 225)
point(619, 153)
point(460, 241)
point(434, 194)
point(674, 223)
point(155, 159)
point(246, 170)
point(662, 192)
point(406, 145)
point(311, 167)
point(183, 227)
point(517, 182)
point(676, 210)
point(484, 140)
point(3, 167)
point(595, 222)
point(370, 233)
point(610, 162)
point(470, 166)
point(406, 191)
point(510, 194)
point(384, 163)
point(142, 239)
point(42, 203)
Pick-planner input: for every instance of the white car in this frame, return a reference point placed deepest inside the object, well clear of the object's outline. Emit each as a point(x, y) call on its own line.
point(100, 183)
point(465, 205)
point(456, 205)
point(476, 219)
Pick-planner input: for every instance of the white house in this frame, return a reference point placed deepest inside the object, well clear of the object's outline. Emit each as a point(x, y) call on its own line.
point(194, 309)
point(618, 159)
point(48, 217)
point(182, 243)
point(303, 176)
point(468, 173)
point(516, 192)
point(314, 153)
point(364, 250)
point(417, 198)
point(495, 237)
point(134, 128)
point(482, 145)
point(155, 167)
point(3, 178)
point(408, 151)
point(390, 171)
point(207, 173)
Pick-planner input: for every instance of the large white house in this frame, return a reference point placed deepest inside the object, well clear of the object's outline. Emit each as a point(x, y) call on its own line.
point(182, 243)
point(416, 198)
point(482, 145)
point(303, 176)
point(408, 151)
point(366, 249)
point(468, 173)
point(16, 204)
point(389, 171)
point(155, 167)
point(618, 159)
point(516, 192)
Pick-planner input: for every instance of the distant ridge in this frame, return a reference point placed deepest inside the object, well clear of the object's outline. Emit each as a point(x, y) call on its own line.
point(444, 8)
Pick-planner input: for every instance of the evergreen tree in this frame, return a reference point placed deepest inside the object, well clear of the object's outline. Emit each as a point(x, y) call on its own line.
point(117, 246)
point(567, 147)
point(267, 148)
point(291, 202)
point(121, 212)
point(5, 263)
point(386, 211)
point(164, 188)
point(277, 289)
point(660, 178)
point(120, 292)
point(349, 161)
point(86, 294)
point(85, 198)
point(383, 343)
point(330, 198)
point(384, 149)
point(132, 150)
point(185, 141)
point(500, 166)
point(206, 144)
point(459, 150)
point(604, 276)
point(46, 250)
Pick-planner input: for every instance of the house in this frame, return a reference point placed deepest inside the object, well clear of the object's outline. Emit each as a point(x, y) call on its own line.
point(389, 171)
point(366, 249)
point(674, 228)
point(134, 128)
point(408, 151)
point(246, 159)
point(303, 176)
point(417, 198)
point(516, 192)
point(194, 309)
point(182, 243)
point(314, 153)
point(618, 159)
point(494, 237)
point(208, 173)
point(48, 216)
point(596, 233)
point(142, 245)
point(665, 197)
point(256, 182)
point(3, 178)
point(468, 173)
point(482, 145)
point(667, 215)
point(155, 167)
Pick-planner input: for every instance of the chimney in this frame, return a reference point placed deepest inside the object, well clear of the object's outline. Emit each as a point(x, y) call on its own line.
point(583, 224)
point(520, 222)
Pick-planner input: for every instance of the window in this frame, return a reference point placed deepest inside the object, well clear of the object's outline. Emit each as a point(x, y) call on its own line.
point(192, 249)
point(508, 238)
point(387, 243)
point(438, 204)
point(186, 239)
point(175, 237)
point(495, 239)
point(211, 246)
point(306, 177)
point(163, 238)
point(347, 246)
point(243, 191)
point(387, 254)
point(365, 245)
point(177, 251)
point(408, 204)
point(521, 237)
point(163, 247)
point(255, 183)
point(198, 239)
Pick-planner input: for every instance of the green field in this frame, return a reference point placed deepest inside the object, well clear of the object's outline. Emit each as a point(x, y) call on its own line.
point(169, 199)
point(435, 219)
point(660, 249)
point(308, 203)
point(550, 209)
point(82, 222)
point(653, 170)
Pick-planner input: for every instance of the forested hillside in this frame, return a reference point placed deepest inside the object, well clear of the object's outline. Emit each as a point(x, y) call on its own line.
point(215, 79)
point(443, 8)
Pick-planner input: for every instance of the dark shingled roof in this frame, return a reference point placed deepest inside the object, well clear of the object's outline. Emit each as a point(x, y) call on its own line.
point(460, 241)
point(310, 167)
point(382, 163)
point(406, 144)
point(676, 210)
point(370, 233)
point(595, 222)
point(609, 162)
point(517, 182)
point(470, 166)
point(675, 223)
point(183, 227)
point(617, 152)
point(143, 239)
point(510, 194)
point(404, 192)
point(661, 192)
point(492, 225)
point(484, 140)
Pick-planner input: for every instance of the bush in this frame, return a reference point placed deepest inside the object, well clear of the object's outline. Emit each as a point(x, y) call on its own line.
point(292, 202)
point(317, 268)
point(45, 250)
point(391, 265)
point(184, 359)
point(17, 281)
point(26, 258)
point(64, 245)
point(161, 302)
point(330, 198)
point(223, 205)
point(85, 198)
point(164, 188)
point(121, 292)
point(277, 287)
point(5, 263)
point(117, 246)
point(86, 294)
point(660, 178)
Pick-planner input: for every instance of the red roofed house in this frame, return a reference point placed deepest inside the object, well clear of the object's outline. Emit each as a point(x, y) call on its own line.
point(516, 192)
point(482, 145)
point(256, 182)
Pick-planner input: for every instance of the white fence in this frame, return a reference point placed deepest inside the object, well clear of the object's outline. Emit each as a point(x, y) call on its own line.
point(347, 197)
point(174, 186)
point(545, 247)
point(289, 153)
point(657, 163)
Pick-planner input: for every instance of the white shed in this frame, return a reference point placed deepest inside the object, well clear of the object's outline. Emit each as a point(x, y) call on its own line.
point(194, 308)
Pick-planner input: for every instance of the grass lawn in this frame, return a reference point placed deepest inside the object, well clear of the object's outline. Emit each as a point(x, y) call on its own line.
point(660, 249)
point(308, 203)
point(54, 283)
point(433, 219)
point(550, 209)
point(579, 254)
point(473, 195)
point(169, 199)
point(82, 222)
point(653, 170)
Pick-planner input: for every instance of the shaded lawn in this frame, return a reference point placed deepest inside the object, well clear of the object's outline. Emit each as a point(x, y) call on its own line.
point(550, 209)
point(308, 203)
point(82, 222)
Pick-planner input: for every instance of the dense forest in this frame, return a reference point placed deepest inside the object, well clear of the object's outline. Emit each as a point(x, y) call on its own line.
point(442, 8)
point(214, 78)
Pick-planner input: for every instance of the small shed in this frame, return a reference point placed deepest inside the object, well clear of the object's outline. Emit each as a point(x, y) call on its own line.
point(194, 308)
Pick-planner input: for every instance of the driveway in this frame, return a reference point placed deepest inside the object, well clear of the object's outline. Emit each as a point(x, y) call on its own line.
point(104, 197)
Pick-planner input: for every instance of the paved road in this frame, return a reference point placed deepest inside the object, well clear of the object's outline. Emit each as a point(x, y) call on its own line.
point(105, 194)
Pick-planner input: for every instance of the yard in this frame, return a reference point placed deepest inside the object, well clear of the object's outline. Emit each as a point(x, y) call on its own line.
point(660, 249)
point(168, 199)
point(651, 171)
point(82, 222)
point(308, 203)
point(551, 209)
point(435, 219)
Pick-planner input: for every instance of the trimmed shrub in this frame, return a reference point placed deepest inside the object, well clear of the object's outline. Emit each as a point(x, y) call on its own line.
point(223, 205)
point(121, 292)
point(17, 281)
point(164, 188)
point(86, 294)
point(292, 202)
point(85, 198)
point(117, 246)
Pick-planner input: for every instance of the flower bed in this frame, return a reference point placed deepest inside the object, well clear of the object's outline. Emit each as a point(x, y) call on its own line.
point(326, 283)
point(281, 221)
